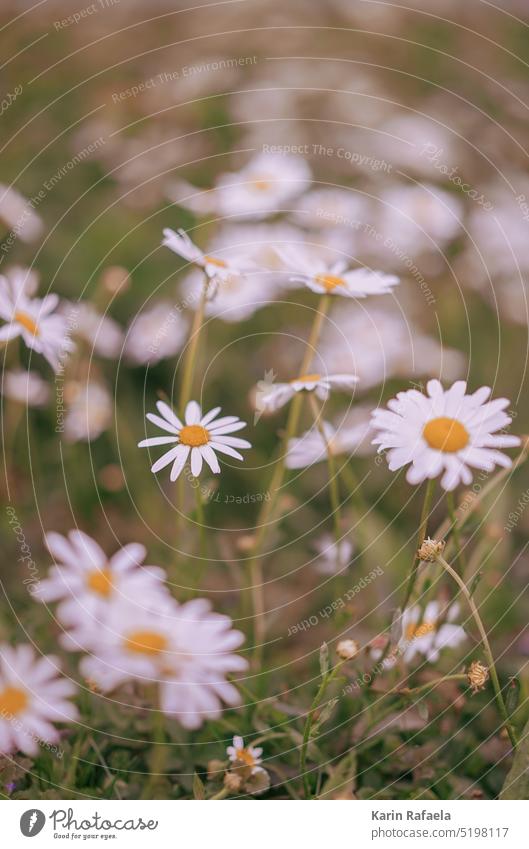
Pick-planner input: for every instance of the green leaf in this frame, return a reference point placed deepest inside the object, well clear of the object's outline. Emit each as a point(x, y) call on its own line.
point(512, 695)
point(199, 791)
point(517, 782)
point(342, 778)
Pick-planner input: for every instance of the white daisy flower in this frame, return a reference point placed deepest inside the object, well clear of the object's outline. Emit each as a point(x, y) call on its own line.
point(155, 334)
point(428, 633)
point(25, 387)
point(249, 756)
point(259, 189)
point(200, 438)
point(90, 408)
point(218, 268)
point(332, 557)
point(444, 432)
point(280, 394)
point(421, 217)
point(186, 649)
point(347, 437)
point(32, 319)
point(32, 696)
point(86, 582)
point(334, 278)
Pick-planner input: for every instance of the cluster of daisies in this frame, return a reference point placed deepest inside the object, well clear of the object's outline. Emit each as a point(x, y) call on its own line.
point(120, 616)
point(118, 613)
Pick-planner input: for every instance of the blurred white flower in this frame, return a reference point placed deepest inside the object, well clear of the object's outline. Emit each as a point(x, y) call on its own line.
point(101, 332)
point(334, 279)
point(427, 633)
point(259, 189)
point(235, 297)
point(86, 582)
point(419, 217)
point(332, 557)
point(378, 343)
point(350, 436)
point(31, 318)
point(33, 695)
point(279, 394)
point(155, 334)
point(18, 214)
point(89, 413)
point(445, 431)
point(185, 649)
point(26, 387)
point(200, 438)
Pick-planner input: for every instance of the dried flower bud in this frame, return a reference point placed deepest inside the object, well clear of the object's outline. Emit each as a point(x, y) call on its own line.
point(232, 782)
point(430, 549)
point(347, 649)
point(215, 768)
point(478, 675)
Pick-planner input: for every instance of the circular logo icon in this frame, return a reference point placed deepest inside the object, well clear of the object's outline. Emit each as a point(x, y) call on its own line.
point(32, 822)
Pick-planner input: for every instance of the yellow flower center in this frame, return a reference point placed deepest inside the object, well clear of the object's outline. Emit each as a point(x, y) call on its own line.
point(261, 184)
point(212, 260)
point(245, 757)
point(444, 434)
point(307, 378)
point(415, 631)
point(145, 642)
point(100, 581)
point(194, 436)
point(26, 321)
point(329, 281)
point(12, 701)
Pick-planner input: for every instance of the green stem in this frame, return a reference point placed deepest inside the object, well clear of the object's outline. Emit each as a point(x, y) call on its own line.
point(326, 680)
point(334, 489)
point(202, 542)
point(267, 511)
point(484, 639)
point(450, 502)
point(430, 685)
point(159, 754)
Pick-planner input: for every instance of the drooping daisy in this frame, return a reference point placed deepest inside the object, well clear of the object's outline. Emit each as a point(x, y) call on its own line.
point(234, 298)
point(155, 334)
point(85, 581)
point(332, 558)
point(215, 267)
point(242, 755)
point(25, 387)
point(33, 695)
point(348, 436)
point(444, 432)
point(280, 394)
point(334, 278)
point(427, 633)
point(32, 318)
point(200, 438)
point(186, 649)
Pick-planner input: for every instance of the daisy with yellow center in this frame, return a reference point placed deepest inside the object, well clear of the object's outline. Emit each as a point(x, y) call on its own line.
point(33, 696)
point(218, 268)
point(85, 581)
point(246, 756)
point(34, 319)
point(444, 432)
point(429, 632)
point(335, 278)
point(276, 395)
point(199, 438)
point(185, 651)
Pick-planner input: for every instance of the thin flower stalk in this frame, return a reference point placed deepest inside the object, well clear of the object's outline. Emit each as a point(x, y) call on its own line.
point(486, 645)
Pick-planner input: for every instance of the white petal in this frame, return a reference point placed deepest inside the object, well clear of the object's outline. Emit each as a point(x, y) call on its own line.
point(193, 413)
point(196, 462)
point(180, 460)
